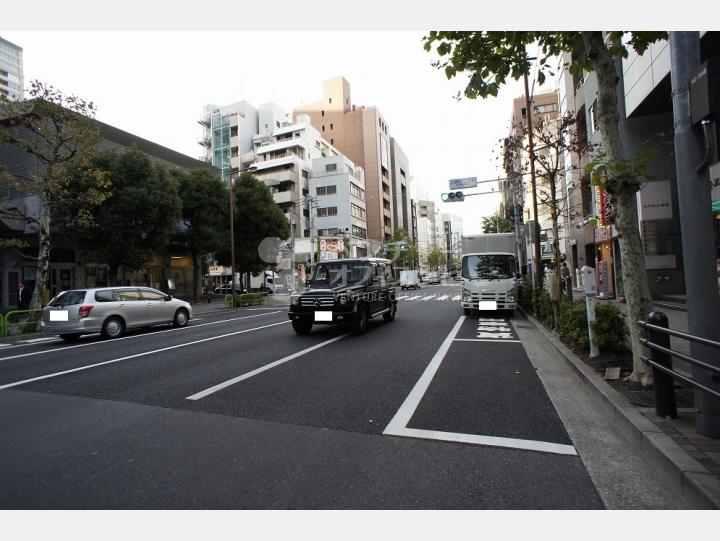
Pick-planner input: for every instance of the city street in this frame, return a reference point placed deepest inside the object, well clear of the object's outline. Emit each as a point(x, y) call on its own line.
point(434, 410)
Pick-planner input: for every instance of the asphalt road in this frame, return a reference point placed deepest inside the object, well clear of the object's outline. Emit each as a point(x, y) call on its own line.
point(431, 411)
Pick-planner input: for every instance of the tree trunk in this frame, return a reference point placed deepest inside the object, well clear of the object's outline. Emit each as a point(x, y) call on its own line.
point(197, 276)
point(43, 262)
point(637, 290)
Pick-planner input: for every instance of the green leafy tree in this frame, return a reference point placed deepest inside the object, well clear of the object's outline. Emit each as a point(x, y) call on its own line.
point(58, 132)
point(136, 221)
point(402, 250)
point(496, 223)
point(489, 58)
point(257, 217)
point(436, 257)
point(203, 228)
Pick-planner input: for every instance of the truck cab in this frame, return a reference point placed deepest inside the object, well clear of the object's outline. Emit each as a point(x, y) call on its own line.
point(488, 282)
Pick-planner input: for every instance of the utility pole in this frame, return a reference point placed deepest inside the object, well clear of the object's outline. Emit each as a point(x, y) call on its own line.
point(696, 225)
point(537, 259)
point(232, 234)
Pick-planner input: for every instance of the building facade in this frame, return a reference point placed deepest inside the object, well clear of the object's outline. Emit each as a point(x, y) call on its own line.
point(11, 70)
point(362, 134)
point(70, 267)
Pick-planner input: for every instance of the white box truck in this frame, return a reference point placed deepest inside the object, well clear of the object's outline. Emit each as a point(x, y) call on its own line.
point(409, 279)
point(268, 281)
point(489, 272)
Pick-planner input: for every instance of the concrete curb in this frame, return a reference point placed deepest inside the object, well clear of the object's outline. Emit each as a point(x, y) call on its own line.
point(696, 484)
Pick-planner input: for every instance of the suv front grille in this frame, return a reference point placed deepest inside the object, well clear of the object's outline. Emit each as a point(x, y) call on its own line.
point(325, 300)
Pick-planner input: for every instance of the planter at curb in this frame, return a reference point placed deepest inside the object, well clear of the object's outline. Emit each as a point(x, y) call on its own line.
point(688, 476)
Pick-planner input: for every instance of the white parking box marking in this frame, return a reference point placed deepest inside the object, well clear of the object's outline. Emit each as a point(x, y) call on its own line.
point(128, 357)
point(408, 407)
point(414, 297)
point(456, 298)
point(486, 340)
point(443, 297)
point(429, 297)
point(401, 297)
point(493, 441)
point(248, 375)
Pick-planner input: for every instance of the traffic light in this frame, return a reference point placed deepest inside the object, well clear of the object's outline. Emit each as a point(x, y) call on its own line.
point(453, 197)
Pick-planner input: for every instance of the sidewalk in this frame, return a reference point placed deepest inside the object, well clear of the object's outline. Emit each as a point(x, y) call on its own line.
point(689, 461)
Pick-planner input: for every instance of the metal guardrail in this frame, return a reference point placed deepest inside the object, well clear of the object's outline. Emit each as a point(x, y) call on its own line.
point(661, 359)
point(25, 320)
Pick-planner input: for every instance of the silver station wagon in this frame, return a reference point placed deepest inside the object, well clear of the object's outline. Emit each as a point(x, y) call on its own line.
point(110, 311)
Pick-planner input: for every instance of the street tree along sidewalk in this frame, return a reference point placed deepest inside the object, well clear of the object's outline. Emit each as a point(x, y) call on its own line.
point(496, 223)
point(56, 130)
point(489, 58)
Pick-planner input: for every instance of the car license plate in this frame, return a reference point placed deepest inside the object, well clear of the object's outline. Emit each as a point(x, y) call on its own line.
point(58, 315)
point(323, 316)
point(487, 305)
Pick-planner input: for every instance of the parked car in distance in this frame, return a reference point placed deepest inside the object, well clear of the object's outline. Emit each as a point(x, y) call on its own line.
point(111, 311)
point(409, 279)
point(433, 278)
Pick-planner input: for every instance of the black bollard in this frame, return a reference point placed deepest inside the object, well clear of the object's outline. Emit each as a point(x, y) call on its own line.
point(665, 405)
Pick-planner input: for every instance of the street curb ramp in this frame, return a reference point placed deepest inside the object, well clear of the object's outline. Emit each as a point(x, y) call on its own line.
point(692, 480)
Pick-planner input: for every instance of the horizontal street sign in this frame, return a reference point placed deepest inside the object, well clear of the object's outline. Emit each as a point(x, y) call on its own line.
point(462, 183)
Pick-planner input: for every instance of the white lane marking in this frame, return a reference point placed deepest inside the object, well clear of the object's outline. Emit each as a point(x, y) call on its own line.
point(6, 345)
point(443, 297)
point(456, 298)
point(248, 375)
point(408, 407)
point(401, 297)
point(143, 354)
point(429, 297)
point(493, 441)
point(37, 340)
point(130, 337)
point(484, 340)
point(414, 297)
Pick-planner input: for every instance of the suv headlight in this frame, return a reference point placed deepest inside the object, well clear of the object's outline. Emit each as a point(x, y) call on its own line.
point(294, 300)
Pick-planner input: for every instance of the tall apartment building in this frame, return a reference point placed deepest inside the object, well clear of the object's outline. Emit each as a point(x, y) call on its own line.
point(362, 134)
point(544, 108)
point(11, 70)
point(284, 154)
point(430, 228)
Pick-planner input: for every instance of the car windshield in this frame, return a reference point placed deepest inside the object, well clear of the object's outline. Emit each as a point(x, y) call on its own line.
point(67, 298)
point(340, 274)
point(497, 266)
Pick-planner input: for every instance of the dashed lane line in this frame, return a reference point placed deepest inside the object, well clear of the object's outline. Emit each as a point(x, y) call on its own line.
point(135, 356)
point(248, 375)
point(128, 337)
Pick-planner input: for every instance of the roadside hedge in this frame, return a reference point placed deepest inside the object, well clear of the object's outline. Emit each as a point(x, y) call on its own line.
point(249, 299)
point(609, 328)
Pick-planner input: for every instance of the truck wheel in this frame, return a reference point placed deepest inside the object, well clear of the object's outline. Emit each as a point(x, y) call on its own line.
point(302, 326)
point(360, 325)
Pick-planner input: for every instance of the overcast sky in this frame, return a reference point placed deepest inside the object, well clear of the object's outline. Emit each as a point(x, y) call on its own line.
point(154, 83)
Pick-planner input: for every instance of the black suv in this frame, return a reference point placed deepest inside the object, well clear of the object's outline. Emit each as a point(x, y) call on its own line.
point(345, 291)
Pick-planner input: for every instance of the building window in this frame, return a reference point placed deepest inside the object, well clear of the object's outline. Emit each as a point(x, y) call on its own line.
point(277, 123)
point(329, 167)
point(546, 108)
point(326, 190)
point(332, 141)
point(322, 113)
point(329, 100)
point(331, 126)
point(593, 117)
point(326, 211)
point(359, 232)
point(357, 211)
point(323, 128)
point(357, 192)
